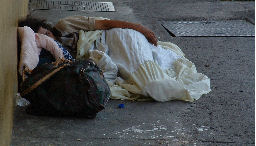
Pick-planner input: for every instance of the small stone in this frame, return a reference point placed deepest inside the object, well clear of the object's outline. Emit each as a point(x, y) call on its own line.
point(200, 129)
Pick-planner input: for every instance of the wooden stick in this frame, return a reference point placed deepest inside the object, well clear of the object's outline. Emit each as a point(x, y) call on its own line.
point(39, 82)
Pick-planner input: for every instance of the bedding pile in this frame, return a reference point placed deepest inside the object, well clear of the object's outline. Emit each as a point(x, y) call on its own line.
point(137, 70)
point(133, 68)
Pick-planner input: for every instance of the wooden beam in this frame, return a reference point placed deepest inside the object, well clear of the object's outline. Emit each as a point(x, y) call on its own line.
point(10, 12)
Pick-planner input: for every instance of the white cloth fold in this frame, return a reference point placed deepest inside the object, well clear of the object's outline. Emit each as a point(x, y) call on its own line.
point(105, 63)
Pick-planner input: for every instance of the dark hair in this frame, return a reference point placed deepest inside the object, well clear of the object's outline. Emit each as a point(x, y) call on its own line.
point(36, 23)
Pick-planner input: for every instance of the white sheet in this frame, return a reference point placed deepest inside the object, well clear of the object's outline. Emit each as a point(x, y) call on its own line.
point(161, 73)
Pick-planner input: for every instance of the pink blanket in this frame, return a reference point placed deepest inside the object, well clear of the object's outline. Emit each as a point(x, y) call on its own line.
point(31, 46)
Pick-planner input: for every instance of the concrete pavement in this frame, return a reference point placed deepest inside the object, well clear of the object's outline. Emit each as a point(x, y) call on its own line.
point(225, 116)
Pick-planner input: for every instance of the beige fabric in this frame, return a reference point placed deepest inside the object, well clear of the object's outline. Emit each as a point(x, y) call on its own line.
point(75, 23)
point(85, 42)
point(117, 92)
point(183, 84)
point(151, 81)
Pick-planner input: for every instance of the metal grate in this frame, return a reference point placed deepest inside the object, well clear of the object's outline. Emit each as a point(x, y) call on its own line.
point(210, 28)
point(71, 5)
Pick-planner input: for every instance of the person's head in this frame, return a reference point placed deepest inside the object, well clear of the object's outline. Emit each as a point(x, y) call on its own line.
point(39, 26)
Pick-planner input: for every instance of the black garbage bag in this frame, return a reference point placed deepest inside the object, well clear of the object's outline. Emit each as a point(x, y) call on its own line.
point(75, 88)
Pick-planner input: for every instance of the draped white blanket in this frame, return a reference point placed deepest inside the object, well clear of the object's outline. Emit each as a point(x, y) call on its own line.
point(136, 70)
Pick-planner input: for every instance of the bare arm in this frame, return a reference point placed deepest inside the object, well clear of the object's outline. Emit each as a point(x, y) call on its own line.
point(108, 24)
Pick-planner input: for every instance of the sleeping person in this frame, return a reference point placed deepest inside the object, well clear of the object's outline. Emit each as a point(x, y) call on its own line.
point(136, 65)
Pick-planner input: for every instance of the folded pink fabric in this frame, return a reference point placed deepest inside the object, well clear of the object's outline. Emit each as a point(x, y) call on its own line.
point(31, 46)
point(43, 41)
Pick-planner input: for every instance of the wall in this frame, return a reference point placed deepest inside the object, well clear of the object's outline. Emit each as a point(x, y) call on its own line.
point(10, 12)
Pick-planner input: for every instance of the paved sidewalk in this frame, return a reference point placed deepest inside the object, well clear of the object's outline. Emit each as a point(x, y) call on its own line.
point(225, 116)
